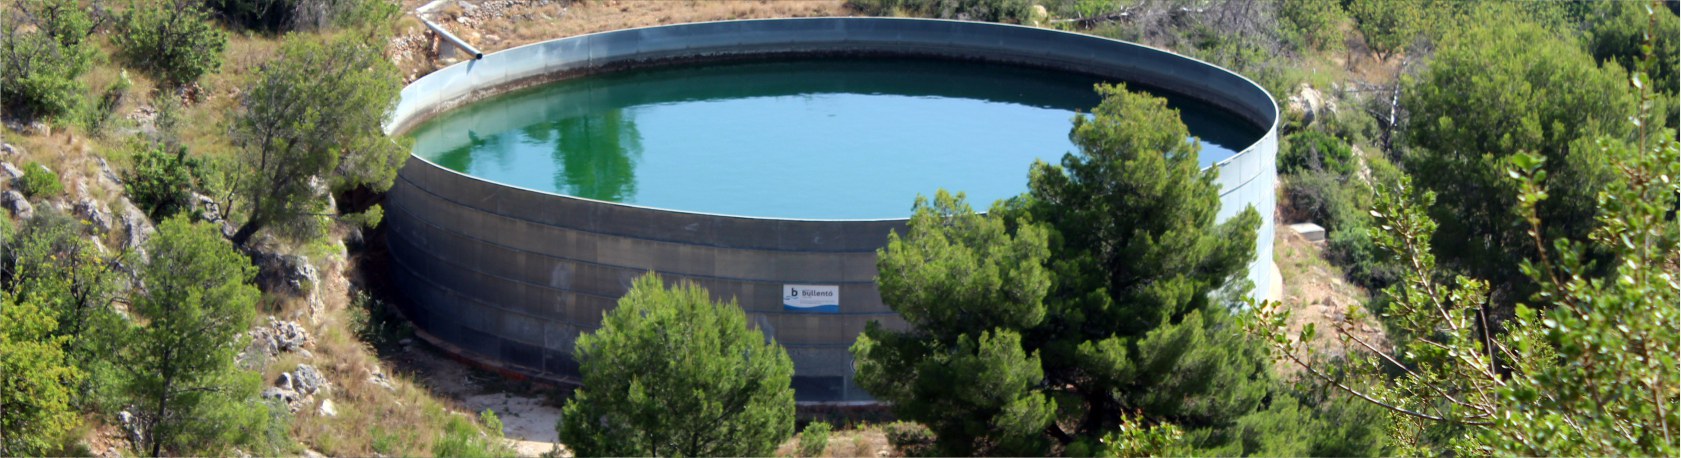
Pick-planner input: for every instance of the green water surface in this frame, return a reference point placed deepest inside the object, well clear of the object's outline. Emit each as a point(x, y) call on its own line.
point(834, 138)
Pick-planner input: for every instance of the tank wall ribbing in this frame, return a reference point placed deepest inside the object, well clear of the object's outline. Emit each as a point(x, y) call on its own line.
point(510, 276)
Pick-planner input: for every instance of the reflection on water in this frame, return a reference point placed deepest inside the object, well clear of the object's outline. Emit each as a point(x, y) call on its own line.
point(597, 154)
point(798, 139)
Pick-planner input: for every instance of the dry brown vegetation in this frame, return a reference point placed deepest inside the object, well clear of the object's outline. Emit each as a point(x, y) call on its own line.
point(564, 19)
point(860, 441)
point(522, 24)
point(1318, 293)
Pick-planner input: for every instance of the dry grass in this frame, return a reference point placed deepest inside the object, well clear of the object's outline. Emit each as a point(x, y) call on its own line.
point(1316, 292)
point(863, 441)
point(522, 25)
point(371, 419)
point(577, 18)
point(203, 126)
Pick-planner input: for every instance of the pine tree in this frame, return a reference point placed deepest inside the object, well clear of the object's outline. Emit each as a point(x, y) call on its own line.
point(314, 114)
point(1490, 93)
point(198, 302)
point(670, 373)
point(1088, 305)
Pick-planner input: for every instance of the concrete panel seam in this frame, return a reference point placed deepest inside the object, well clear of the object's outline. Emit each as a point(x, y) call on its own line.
point(435, 284)
point(516, 218)
point(404, 208)
point(416, 274)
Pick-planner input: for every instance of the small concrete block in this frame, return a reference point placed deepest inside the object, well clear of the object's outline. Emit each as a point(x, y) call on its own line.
point(1311, 232)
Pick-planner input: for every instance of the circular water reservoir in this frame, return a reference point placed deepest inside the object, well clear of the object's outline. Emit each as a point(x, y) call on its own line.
point(834, 138)
point(765, 161)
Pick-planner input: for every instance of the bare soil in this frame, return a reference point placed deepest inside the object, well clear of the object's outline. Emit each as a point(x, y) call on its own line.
point(1317, 292)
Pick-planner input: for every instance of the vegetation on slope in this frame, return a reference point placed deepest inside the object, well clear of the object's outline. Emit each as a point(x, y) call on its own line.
point(1556, 287)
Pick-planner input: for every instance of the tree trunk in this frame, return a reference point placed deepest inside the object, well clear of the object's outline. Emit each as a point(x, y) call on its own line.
point(246, 231)
point(163, 402)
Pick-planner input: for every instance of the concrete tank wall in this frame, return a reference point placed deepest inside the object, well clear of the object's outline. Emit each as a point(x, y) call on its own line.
point(509, 277)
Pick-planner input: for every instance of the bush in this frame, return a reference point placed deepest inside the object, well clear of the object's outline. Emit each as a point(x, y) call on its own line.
point(462, 439)
point(108, 104)
point(34, 376)
point(42, 52)
point(1389, 26)
point(1318, 197)
point(648, 391)
point(1364, 262)
point(162, 183)
point(1354, 127)
point(911, 439)
point(1340, 203)
point(372, 323)
point(1311, 151)
point(302, 15)
point(815, 439)
point(38, 181)
point(1619, 33)
point(175, 40)
point(1491, 93)
point(1011, 11)
point(1314, 24)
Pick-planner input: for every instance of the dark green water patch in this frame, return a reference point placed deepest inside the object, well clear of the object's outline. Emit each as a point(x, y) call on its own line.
point(840, 138)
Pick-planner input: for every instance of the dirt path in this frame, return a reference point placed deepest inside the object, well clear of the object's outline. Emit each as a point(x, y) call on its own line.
point(1317, 293)
point(527, 422)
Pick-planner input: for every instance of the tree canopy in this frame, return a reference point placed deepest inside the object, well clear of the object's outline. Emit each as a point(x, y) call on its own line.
point(1586, 368)
point(1491, 93)
point(43, 49)
point(198, 303)
point(312, 123)
point(1090, 304)
point(34, 379)
point(1587, 365)
point(174, 39)
point(670, 373)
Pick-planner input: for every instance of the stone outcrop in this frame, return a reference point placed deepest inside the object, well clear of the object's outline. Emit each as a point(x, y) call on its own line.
point(14, 202)
point(278, 337)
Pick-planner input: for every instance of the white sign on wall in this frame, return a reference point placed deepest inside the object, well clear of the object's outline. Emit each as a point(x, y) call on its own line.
point(811, 298)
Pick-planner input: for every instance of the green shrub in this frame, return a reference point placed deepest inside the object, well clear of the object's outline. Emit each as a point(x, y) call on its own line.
point(1619, 33)
point(462, 439)
point(1389, 26)
point(815, 439)
point(1316, 196)
point(1311, 151)
point(1011, 11)
point(1355, 127)
point(173, 39)
point(372, 322)
point(1364, 262)
point(108, 104)
point(267, 427)
point(389, 443)
point(281, 15)
point(630, 368)
point(161, 183)
point(1313, 24)
point(1341, 203)
point(911, 439)
point(42, 52)
point(39, 181)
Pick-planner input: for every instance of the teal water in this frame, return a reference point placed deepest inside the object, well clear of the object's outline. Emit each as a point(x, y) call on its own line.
point(836, 138)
